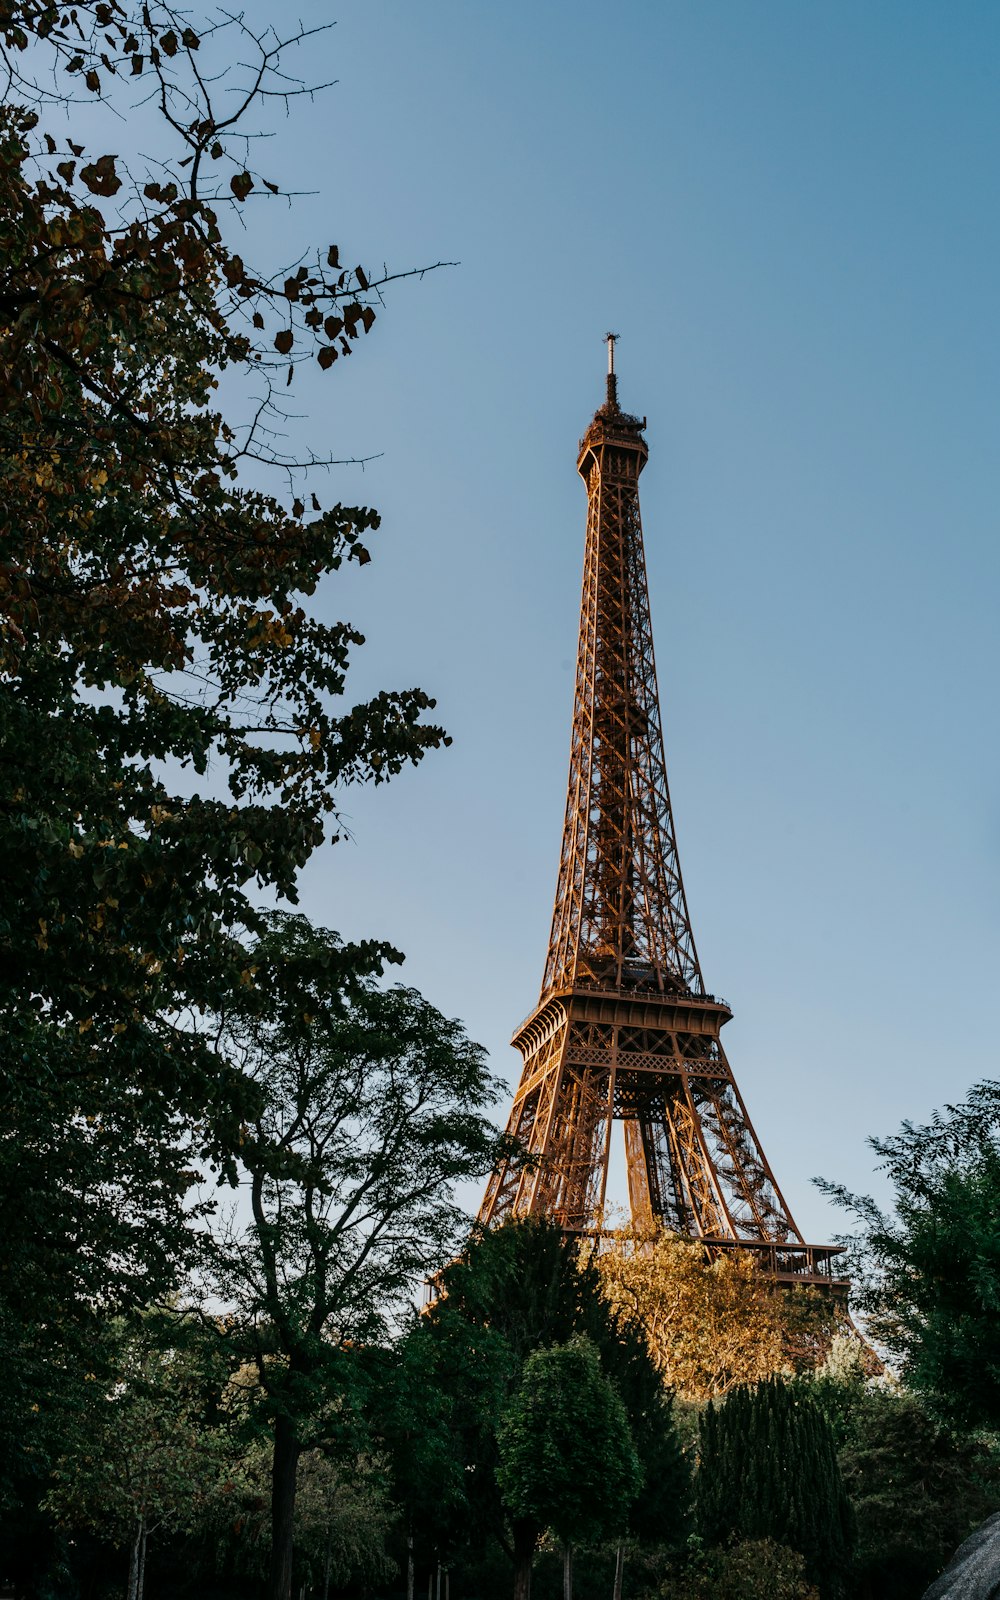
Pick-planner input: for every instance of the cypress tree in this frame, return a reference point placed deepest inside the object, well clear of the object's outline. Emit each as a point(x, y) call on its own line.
point(768, 1470)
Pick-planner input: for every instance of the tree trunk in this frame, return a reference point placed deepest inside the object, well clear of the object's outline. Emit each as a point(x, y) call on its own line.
point(133, 1561)
point(619, 1569)
point(328, 1552)
point(284, 1472)
point(567, 1572)
point(525, 1537)
point(141, 1577)
point(409, 1565)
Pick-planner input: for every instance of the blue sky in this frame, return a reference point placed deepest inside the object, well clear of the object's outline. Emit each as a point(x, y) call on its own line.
point(790, 214)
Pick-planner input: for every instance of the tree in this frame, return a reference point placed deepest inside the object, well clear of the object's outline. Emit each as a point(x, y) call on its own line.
point(155, 637)
point(371, 1110)
point(658, 1516)
point(523, 1287)
point(343, 1519)
point(711, 1325)
point(768, 1470)
point(928, 1274)
point(416, 1419)
point(567, 1460)
point(145, 1456)
point(918, 1488)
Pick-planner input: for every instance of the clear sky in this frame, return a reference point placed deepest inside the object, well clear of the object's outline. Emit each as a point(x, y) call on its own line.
point(789, 212)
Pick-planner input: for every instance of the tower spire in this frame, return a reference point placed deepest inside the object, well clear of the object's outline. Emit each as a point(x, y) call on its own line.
point(624, 1028)
point(612, 340)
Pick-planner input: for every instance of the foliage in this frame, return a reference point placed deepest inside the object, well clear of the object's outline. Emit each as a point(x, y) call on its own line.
point(711, 1325)
point(372, 1107)
point(768, 1470)
point(755, 1569)
point(428, 1432)
point(343, 1522)
point(918, 1489)
point(567, 1461)
point(660, 1511)
point(516, 1289)
point(839, 1386)
point(527, 1281)
point(343, 1519)
point(147, 1455)
point(155, 632)
point(928, 1275)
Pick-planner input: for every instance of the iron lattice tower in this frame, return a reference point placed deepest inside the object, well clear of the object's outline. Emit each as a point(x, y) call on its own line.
point(624, 1028)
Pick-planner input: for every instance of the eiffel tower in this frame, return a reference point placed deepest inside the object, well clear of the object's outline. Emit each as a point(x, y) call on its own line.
point(624, 1029)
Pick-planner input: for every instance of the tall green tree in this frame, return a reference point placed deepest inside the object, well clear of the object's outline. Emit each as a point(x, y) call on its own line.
point(768, 1469)
point(171, 743)
point(418, 1422)
point(523, 1287)
point(372, 1108)
point(928, 1271)
point(567, 1459)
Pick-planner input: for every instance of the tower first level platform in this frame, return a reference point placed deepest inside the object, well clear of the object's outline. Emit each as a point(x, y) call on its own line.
point(656, 1064)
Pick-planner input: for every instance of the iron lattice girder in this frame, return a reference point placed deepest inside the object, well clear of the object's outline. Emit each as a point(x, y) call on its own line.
point(591, 1056)
point(624, 1029)
point(620, 898)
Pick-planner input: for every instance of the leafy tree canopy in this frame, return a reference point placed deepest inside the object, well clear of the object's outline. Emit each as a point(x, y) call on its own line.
point(712, 1325)
point(171, 744)
point(928, 1272)
point(567, 1460)
point(918, 1488)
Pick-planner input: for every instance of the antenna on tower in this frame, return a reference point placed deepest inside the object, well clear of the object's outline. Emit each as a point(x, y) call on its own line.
point(612, 340)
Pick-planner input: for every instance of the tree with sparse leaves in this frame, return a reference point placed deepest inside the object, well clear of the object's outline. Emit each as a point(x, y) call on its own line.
point(171, 744)
point(372, 1108)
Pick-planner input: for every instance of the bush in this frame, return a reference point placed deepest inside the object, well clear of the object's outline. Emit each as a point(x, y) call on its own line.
point(755, 1569)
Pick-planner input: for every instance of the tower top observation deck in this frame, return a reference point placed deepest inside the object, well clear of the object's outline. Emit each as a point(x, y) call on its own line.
point(612, 425)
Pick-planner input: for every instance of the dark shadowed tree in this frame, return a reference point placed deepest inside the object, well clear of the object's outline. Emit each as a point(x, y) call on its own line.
point(768, 1469)
point(171, 742)
point(523, 1287)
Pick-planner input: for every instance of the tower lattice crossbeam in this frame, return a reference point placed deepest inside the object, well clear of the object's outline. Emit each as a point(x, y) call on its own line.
point(624, 1029)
